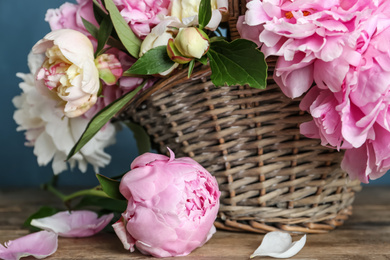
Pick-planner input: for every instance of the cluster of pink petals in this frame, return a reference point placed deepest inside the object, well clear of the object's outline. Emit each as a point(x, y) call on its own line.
point(172, 205)
point(142, 15)
point(41, 244)
point(342, 48)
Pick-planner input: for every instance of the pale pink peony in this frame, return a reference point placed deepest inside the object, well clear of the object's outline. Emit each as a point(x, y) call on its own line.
point(172, 205)
point(68, 16)
point(142, 15)
point(68, 73)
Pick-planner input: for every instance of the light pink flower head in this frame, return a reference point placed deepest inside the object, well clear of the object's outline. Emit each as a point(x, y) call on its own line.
point(172, 205)
point(68, 16)
point(68, 73)
point(142, 15)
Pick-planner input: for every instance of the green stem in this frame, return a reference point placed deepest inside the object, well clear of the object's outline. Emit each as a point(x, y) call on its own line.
point(67, 198)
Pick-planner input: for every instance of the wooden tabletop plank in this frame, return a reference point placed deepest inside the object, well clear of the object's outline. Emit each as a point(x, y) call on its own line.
point(365, 235)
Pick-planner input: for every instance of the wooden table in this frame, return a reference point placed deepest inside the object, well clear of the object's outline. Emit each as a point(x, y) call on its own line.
point(365, 235)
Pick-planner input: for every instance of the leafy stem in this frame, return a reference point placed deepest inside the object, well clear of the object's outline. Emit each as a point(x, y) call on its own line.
point(96, 191)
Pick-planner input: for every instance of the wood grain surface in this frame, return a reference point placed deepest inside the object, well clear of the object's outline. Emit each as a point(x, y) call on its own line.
point(365, 235)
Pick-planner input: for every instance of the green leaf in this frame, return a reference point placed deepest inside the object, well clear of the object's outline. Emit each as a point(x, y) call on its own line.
point(91, 28)
point(152, 62)
point(205, 13)
point(98, 12)
point(101, 118)
point(126, 35)
point(203, 60)
point(103, 203)
point(140, 135)
point(103, 34)
point(191, 67)
point(237, 63)
point(110, 187)
point(43, 212)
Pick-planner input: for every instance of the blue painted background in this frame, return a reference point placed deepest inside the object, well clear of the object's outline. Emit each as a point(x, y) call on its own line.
point(21, 26)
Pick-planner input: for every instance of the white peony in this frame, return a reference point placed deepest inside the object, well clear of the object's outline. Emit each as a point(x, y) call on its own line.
point(51, 133)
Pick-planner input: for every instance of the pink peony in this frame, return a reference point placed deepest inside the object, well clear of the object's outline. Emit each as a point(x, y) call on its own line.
point(301, 32)
point(142, 15)
point(172, 205)
point(69, 15)
point(355, 115)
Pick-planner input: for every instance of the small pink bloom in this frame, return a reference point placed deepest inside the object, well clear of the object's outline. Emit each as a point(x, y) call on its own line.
point(110, 69)
point(68, 16)
point(82, 223)
point(39, 245)
point(172, 205)
point(142, 15)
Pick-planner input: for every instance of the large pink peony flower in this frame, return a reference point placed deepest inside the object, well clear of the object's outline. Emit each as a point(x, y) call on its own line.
point(172, 205)
point(142, 15)
point(356, 115)
point(301, 32)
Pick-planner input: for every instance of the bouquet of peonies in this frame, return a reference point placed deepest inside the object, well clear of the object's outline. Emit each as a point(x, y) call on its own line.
point(102, 54)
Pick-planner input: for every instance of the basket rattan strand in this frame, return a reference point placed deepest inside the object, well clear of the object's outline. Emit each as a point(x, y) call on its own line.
point(270, 176)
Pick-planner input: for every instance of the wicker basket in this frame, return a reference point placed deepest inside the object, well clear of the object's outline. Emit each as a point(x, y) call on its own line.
point(270, 176)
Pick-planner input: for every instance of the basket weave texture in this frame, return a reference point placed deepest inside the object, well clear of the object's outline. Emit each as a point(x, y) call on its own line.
point(270, 176)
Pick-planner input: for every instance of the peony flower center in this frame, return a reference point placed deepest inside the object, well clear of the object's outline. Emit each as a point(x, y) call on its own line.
point(289, 15)
point(58, 72)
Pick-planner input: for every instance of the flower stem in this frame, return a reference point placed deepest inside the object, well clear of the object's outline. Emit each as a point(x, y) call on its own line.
point(67, 198)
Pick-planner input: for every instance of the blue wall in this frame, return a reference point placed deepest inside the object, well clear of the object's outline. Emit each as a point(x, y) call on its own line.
point(22, 25)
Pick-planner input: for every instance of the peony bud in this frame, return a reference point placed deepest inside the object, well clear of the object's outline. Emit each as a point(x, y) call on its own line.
point(159, 36)
point(174, 53)
point(109, 67)
point(192, 42)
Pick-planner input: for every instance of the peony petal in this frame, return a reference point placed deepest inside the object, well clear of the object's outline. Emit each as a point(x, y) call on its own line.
point(279, 245)
point(82, 223)
point(39, 245)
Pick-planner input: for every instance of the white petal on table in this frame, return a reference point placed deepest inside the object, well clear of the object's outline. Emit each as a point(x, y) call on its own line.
point(81, 223)
point(279, 245)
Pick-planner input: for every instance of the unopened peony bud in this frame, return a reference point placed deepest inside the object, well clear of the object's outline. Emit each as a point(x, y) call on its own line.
point(174, 53)
point(109, 67)
point(192, 42)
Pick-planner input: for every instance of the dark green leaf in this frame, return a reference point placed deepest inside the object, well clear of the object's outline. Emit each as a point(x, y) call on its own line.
point(203, 60)
point(237, 63)
point(101, 118)
point(191, 67)
point(140, 135)
point(43, 212)
point(126, 35)
point(205, 13)
point(98, 11)
point(110, 187)
point(91, 28)
point(103, 34)
point(103, 203)
point(152, 62)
